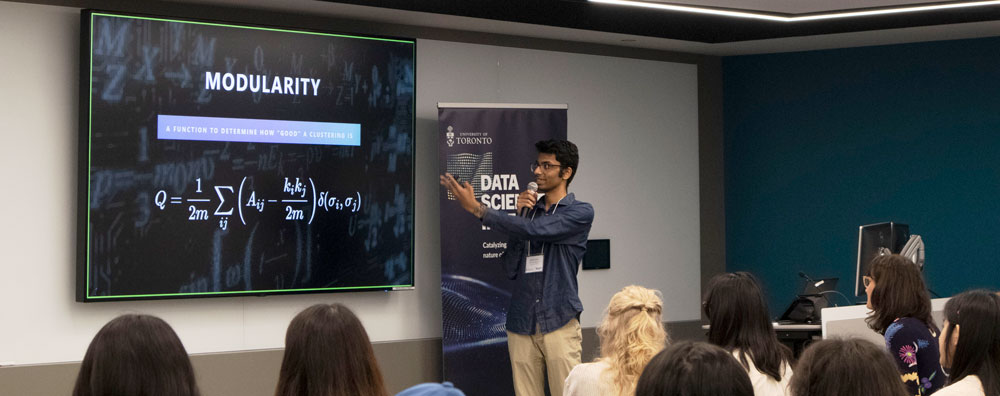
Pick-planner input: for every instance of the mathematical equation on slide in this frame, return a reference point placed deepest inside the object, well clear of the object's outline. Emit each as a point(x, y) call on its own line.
point(297, 199)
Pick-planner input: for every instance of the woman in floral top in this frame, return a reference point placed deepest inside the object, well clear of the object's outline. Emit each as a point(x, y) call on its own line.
point(901, 311)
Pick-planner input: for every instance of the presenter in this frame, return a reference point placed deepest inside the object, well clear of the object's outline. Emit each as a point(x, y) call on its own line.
point(546, 244)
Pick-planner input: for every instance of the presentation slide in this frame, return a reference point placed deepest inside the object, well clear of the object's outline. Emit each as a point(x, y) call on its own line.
point(218, 159)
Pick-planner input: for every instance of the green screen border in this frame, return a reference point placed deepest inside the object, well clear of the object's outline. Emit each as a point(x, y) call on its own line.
point(88, 18)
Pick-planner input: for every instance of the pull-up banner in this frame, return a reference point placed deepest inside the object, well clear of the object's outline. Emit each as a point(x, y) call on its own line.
point(491, 146)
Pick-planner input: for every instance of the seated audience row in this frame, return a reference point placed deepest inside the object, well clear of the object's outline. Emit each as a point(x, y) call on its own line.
point(631, 332)
point(828, 368)
point(969, 344)
point(328, 352)
point(900, 307)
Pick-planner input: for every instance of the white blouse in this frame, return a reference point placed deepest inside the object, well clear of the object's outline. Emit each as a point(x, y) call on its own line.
point(968, 386)
point(765, 385)
point(585, 380)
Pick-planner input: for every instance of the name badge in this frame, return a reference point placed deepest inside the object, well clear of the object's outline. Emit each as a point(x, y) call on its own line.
point(534, 264)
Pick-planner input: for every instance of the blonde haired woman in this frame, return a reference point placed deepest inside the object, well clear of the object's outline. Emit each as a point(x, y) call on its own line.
point(631, 334)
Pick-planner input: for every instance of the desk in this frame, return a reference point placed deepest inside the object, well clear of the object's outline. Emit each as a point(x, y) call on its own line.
point(798, 336)
point(795, 336)
point(849, 321)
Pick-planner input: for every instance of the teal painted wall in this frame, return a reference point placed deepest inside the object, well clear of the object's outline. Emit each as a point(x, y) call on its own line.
point(818, 143)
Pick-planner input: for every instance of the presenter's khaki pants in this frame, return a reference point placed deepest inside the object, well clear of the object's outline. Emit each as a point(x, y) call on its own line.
point(554, 354)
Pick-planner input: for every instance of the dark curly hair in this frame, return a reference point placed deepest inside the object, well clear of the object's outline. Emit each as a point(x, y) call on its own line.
point(566, 153)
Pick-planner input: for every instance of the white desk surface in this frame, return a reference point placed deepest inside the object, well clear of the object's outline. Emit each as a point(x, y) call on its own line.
point(856, 312)
point(787, 327)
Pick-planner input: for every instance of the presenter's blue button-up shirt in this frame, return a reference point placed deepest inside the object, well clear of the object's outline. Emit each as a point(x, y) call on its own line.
point(549, 299)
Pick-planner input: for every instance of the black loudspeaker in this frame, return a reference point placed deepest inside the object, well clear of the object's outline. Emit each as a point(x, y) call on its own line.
point(598, 254)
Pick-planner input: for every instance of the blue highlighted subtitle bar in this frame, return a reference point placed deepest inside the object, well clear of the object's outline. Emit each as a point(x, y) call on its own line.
point(220, 129)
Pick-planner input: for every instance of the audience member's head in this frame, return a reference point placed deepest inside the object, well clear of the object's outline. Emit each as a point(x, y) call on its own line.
point(432, 389)
point(327, 353)
point(631, 333)
point(853, 367)
point(694, 369)
point(136, 355)
point(896, 289)
point(970, 339)
point(739, 320)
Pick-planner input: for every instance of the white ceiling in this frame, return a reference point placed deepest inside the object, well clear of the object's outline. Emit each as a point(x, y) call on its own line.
point(797, 6)
point(842, 40)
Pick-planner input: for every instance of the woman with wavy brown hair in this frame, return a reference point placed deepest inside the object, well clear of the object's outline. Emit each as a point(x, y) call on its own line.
point(855, 367)
point(901, 312)
point(136, 355)
point(327, 353)
point(631, 334)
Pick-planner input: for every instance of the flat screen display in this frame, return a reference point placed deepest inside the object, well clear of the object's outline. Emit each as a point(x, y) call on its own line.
point(873, 241)
point(220, 159)
point(598, 255)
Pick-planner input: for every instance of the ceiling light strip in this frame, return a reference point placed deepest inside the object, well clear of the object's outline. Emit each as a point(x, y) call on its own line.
point(692, 9)
point(813, 17)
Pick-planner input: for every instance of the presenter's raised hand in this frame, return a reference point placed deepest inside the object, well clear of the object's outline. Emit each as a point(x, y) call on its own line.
point(463, 192)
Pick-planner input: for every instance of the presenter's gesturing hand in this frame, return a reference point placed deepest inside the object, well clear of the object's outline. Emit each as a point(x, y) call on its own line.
point(464, 193)
point(526, 200)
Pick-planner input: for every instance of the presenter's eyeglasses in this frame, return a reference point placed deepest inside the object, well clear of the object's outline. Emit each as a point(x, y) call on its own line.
point(544, 165)
point(867, 280)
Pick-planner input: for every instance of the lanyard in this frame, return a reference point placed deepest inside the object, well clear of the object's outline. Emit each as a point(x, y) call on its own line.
point(533, 219)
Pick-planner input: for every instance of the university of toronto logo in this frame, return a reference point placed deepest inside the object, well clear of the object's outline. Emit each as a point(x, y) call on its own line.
point(451, 136)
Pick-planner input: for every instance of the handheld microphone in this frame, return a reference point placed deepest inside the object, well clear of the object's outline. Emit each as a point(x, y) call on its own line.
point(533, 187)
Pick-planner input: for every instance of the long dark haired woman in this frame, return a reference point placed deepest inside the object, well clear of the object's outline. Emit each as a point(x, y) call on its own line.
point(901, 312)
point(327, 353)
point(136, 355)
point(970, 344)
point(739, 322)
point(693, 369)
point(846, 367)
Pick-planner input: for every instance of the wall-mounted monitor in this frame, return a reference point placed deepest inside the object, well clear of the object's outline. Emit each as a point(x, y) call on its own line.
point(598, 255)
point(223, 159)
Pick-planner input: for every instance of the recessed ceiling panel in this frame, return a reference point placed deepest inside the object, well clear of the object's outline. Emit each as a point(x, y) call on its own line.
point(687, 26)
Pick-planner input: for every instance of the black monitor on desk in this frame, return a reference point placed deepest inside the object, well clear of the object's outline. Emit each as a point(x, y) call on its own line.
point(875, 240)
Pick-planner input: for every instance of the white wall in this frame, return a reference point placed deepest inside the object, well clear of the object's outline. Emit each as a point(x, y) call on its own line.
point(635, 122)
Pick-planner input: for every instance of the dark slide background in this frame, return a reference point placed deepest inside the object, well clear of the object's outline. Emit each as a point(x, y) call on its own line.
point(141, 68)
